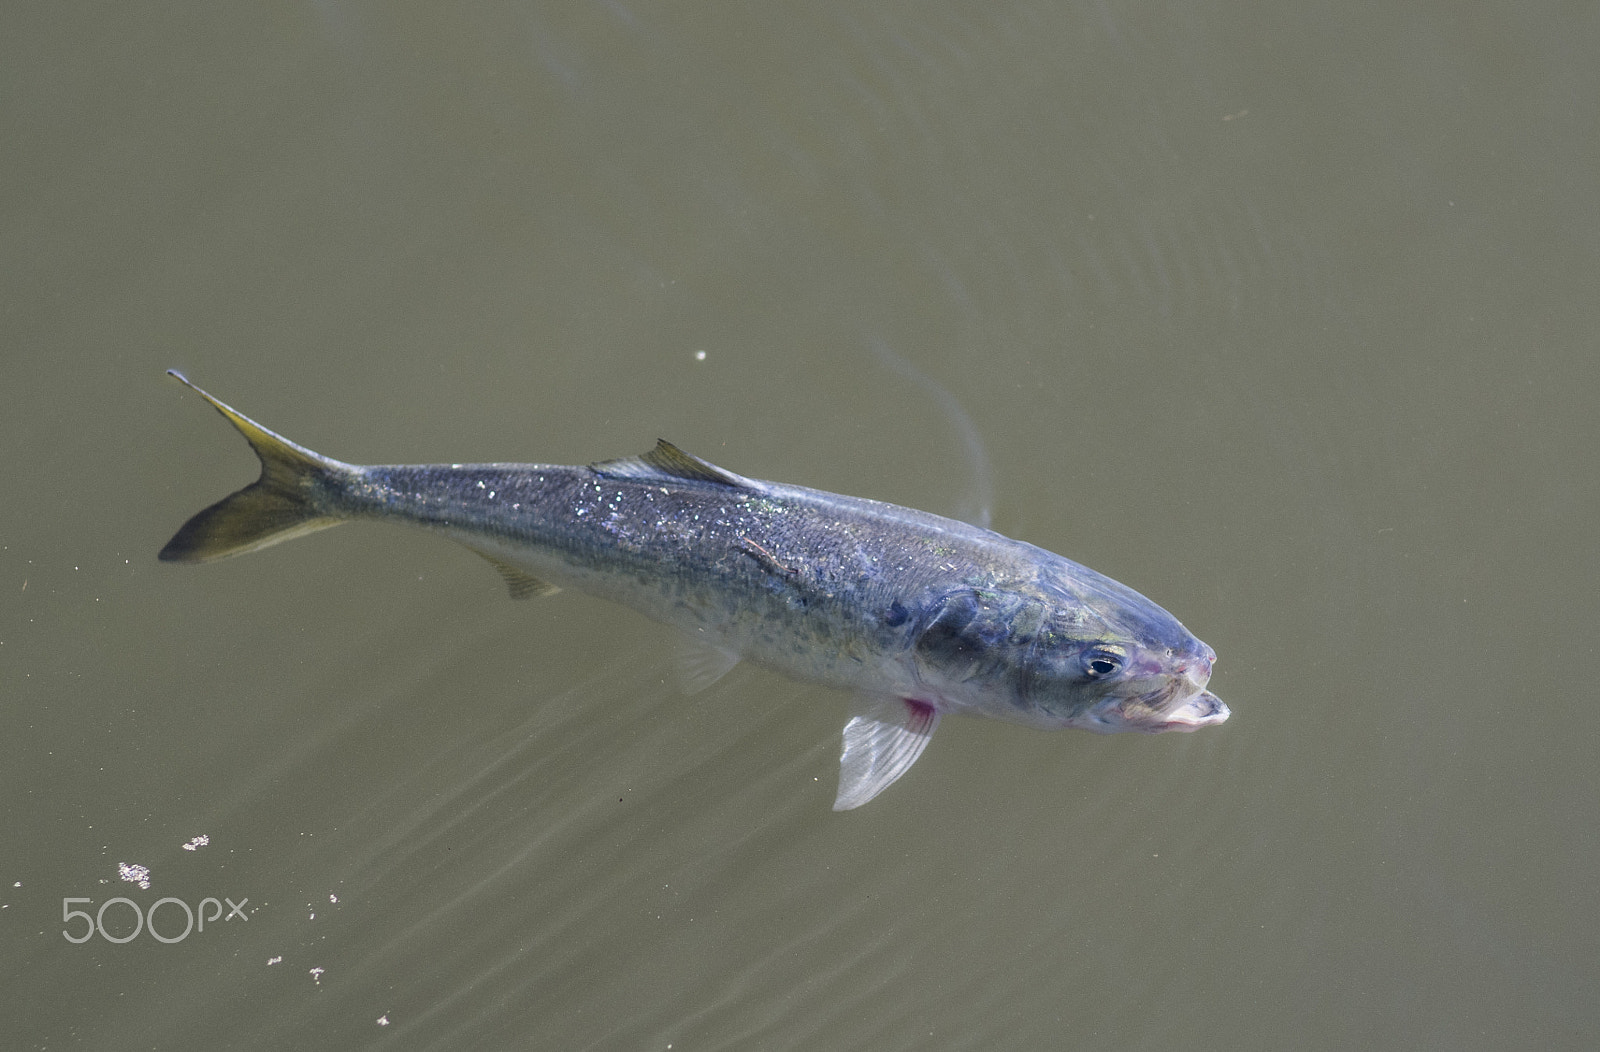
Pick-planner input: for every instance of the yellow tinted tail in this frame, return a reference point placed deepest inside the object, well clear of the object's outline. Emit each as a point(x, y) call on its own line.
point(281, 504)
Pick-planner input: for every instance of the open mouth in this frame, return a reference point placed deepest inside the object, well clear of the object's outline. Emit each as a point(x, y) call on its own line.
point(1201, 710)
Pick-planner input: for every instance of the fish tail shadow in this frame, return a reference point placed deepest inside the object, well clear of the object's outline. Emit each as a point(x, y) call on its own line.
point(285, 502)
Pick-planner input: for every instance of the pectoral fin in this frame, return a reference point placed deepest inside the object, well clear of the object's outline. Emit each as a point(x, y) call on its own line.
point(881, 742)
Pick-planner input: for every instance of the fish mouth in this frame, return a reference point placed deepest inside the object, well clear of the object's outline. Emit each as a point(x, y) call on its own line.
point(1153, 716)
point(1198, 710)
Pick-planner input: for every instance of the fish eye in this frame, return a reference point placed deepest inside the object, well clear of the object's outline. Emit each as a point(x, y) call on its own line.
point(1104, 660)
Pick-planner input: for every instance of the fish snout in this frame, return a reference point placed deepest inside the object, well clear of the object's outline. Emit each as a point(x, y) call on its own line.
point(1197, 668)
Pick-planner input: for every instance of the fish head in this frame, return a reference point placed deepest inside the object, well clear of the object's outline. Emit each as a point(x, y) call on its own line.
point(1110, 660)
point(1157, 689)
point(1100, 657)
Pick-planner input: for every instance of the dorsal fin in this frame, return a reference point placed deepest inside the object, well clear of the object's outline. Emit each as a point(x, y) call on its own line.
point(668, 461)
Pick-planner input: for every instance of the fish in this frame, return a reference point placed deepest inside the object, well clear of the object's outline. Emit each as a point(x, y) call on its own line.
point(917, 616)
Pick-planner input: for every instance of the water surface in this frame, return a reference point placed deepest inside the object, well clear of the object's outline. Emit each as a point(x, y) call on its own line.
point(1283, 315)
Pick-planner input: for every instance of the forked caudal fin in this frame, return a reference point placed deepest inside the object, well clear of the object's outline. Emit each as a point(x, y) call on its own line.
point(279, 505)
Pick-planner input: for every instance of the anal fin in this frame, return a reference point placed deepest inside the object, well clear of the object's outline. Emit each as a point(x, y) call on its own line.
point(882, 740)
point(519, 582)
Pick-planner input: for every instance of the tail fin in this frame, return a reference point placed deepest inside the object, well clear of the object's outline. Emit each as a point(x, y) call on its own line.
point(283, 503)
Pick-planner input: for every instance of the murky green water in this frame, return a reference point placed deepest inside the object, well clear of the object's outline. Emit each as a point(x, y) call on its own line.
point(1284, 315)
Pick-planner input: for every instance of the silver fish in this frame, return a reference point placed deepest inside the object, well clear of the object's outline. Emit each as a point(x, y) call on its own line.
point(915, 614)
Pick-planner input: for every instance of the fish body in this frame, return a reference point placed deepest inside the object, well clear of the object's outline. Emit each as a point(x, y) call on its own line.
point(917, 615)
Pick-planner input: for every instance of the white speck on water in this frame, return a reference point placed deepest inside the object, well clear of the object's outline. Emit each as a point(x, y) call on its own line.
point(699, 356)
point(274, 960)
point(197, 843)
point(383, 1020)
point(134, 874)
point(316, 975)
